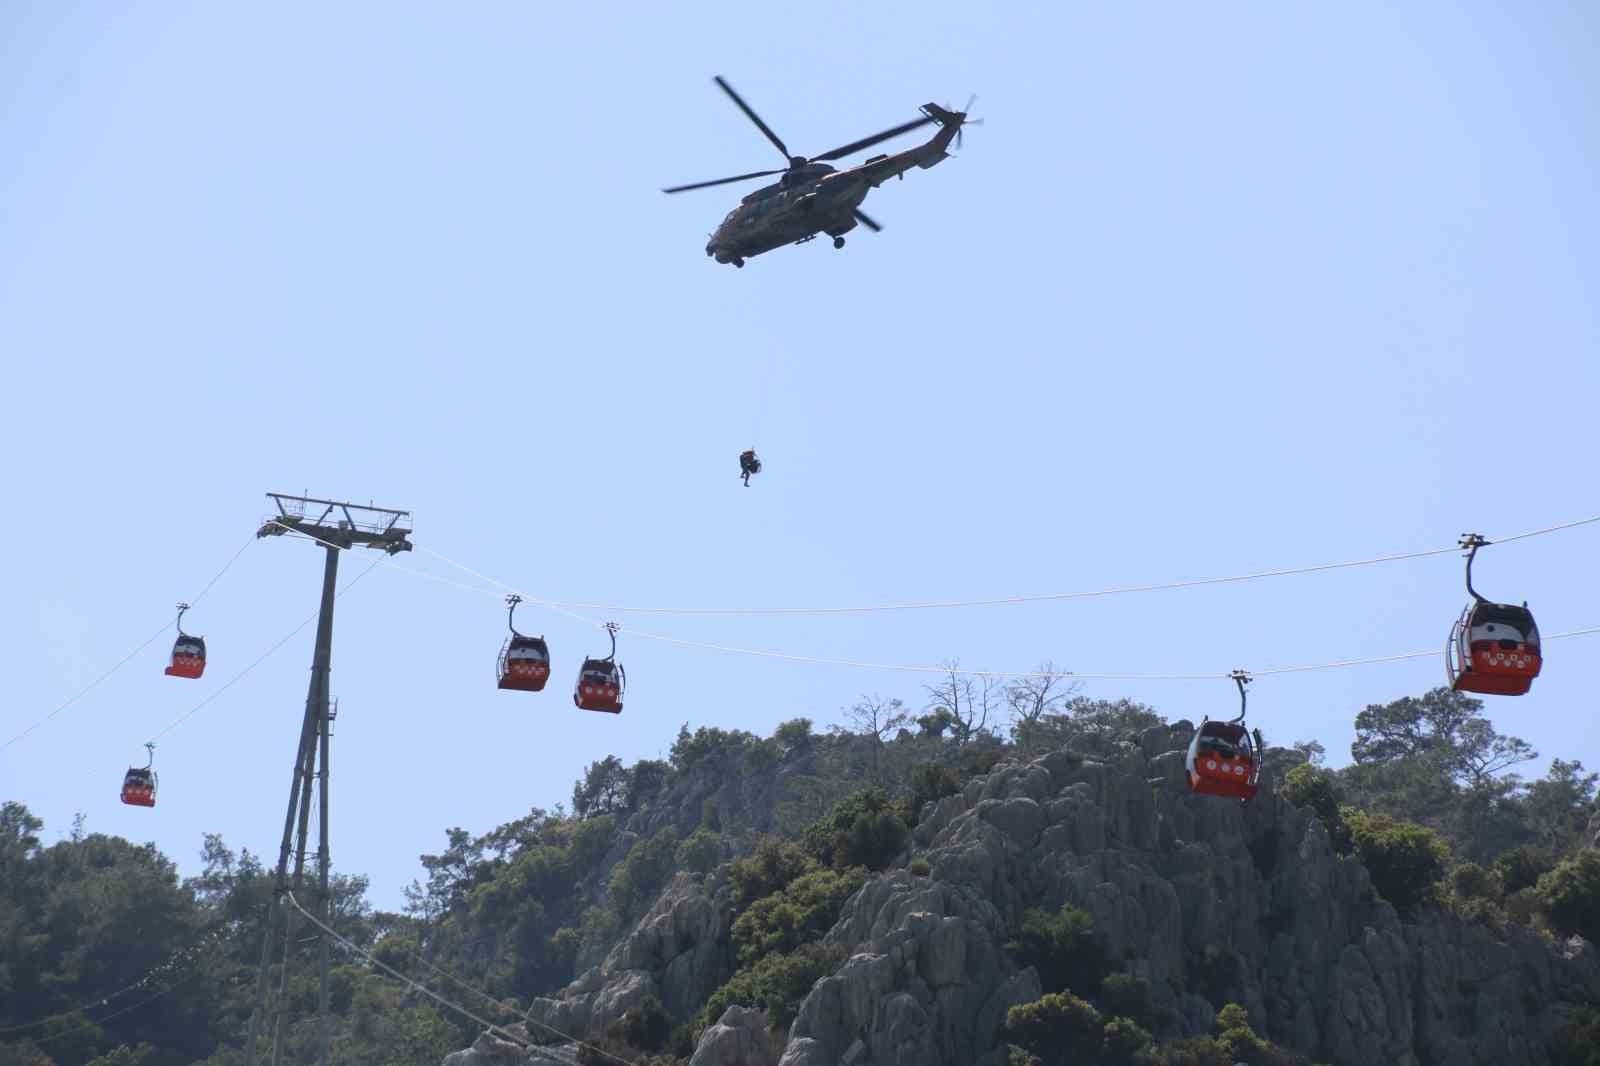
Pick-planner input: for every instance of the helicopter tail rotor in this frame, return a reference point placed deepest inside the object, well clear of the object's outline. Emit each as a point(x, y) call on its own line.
point(951, 120)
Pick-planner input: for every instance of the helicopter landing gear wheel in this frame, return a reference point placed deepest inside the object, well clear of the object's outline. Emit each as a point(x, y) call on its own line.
point(838, 242)
point(738, 263)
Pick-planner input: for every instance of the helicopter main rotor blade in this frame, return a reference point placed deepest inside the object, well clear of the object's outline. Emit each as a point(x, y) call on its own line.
point(722, 181)
point(863, 218)
point(868, 142)
point(773, 137)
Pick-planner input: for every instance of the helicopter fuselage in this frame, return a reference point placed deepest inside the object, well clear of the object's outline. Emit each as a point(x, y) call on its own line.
point(816, 198)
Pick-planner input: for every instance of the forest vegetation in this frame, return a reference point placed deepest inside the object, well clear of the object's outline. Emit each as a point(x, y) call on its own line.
point(109, 958)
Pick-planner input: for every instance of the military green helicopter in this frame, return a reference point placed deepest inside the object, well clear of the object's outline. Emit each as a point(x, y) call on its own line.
point(812, 197)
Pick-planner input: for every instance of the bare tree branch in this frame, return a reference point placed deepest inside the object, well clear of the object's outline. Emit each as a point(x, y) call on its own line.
point(1032, 697)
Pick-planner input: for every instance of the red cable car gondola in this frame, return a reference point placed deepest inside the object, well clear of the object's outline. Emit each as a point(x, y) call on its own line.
point(601, 681)
point(1222, 759)
point(139, 783)
point(188, 652)
point(1493, 648)
point(524, 662)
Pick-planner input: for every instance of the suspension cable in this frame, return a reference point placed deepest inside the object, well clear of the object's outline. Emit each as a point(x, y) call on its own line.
point(151, 639)
point(998, 601)
point(913, 668)
point(458, 1008)
point(182, 955)
point(236, 678)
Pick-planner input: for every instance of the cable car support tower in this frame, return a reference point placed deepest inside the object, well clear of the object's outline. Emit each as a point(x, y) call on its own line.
point(338, 527)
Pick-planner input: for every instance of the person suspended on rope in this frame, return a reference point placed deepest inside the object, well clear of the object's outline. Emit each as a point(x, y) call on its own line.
point(748, 464)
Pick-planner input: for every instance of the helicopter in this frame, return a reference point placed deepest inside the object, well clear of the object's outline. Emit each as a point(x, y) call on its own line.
point(812, 197)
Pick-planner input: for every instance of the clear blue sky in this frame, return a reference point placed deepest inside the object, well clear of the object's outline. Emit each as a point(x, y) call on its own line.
point(1210, 291)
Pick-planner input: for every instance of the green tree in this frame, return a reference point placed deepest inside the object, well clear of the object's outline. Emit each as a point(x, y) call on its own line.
point(931, 781)
point(1123, 995)
point(1559, 805)
point(775, 982)
point(1087, 724)
point(1309, 786)
point(770, 866)
point(648, 865)
point(1442, 728)
point(874, 718)
point(1579, 1040)
point(1062, 947)
point(1407, 861)
point(1521, 867)
point(801, 911)
point(646, 780)
point(602, 790)
point(700, 852)
point(1058, 1028)
point(865, 829)
point(1571, 895)
point(795, 735)
point(1435, 760)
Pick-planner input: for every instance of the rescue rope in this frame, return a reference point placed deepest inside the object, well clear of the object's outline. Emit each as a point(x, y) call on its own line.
point(458, 1008)
point(910, 668)
point(998, 601)
point(762, 391)
point(151, 639)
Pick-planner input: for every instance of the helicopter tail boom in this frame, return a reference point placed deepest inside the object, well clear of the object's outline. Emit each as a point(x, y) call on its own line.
point(950, 122)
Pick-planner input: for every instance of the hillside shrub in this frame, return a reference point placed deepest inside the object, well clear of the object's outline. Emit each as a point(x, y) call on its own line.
point(700, 852)
point(1407, 861)
point(801, 911)
point(1062, 947)
point(795, 734)
point(1468, 880)
point(640, 876)
point(1521, 867)
point(1058, 1027)
point(1194, 1051)
point(1571, 895)
point(1578, 1043)
point(771, 865)
point(1124, 1042)
point(646, 1025)
point(931, 782)
point(1476, 894)
point(776, 982)
point(865, 829)
point(1123, 995)
point(1318, 790)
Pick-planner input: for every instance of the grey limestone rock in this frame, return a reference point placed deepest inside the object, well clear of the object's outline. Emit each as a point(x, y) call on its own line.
point(1208, 900)
point(679, 951)
point(739, 1038)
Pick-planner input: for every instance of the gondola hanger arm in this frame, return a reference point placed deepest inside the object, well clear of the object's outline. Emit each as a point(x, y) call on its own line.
point(1472, 542)
point(1240, 678)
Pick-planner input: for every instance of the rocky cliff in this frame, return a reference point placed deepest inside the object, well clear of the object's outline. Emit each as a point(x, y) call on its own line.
point(1208, 900)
